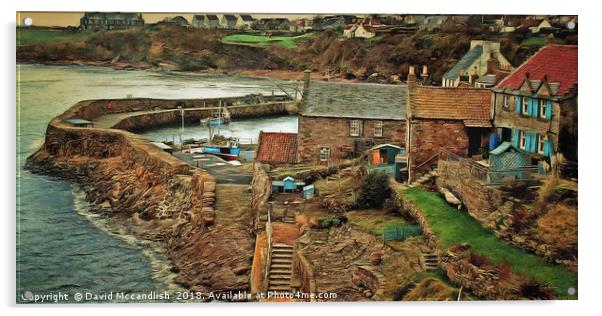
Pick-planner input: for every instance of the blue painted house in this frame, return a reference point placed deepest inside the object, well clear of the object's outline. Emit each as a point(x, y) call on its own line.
point(288, 184)
point(535, 109)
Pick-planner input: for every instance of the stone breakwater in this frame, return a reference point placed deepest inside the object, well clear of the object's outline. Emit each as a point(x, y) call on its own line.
point(155, 195)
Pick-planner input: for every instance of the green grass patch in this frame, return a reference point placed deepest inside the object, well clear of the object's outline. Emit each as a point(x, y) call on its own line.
point(375, 222)
point(285, 41)
point(30, 36)
point(538, 41)
point(453, 227)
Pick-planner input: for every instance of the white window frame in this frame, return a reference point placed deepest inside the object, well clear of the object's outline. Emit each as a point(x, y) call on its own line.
point(543, 105)
point(324, 153)
point(525, 106)
point(378, 128)
point(541, 140)
point(355, 127)
point(505, 101)
point(522, 137)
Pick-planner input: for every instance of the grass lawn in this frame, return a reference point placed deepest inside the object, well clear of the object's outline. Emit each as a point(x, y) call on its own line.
point(538, 41)
point(286, 41)
point(375, 221)
point(29, 36)
point(452, 227)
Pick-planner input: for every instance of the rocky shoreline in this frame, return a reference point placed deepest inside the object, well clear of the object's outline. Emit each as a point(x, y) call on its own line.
point(155, 195)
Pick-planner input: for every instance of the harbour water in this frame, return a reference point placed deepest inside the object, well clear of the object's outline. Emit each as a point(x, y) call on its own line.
point(61, 245)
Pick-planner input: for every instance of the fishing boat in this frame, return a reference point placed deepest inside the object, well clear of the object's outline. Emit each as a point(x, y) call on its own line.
point(221, 117)
point(229, 151)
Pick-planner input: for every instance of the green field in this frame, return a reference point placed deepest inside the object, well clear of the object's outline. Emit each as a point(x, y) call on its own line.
point(453, 227)
point(286, 41)
point(538, 41)
point(29, 36)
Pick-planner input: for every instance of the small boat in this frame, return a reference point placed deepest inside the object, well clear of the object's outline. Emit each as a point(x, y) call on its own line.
point(228, 152)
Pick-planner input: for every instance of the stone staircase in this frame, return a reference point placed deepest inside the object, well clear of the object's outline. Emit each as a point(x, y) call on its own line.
point(430, 261)
point(281, 268)
point(424, 178)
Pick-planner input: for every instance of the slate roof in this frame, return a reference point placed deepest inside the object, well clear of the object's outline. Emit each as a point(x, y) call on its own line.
point(277, 147)
point(212, 17)
point(471, 105)
point(246, 17)
point(356, 100)
point(198, 17)
point(470, 57)
point(230, 17)
point(556, 63)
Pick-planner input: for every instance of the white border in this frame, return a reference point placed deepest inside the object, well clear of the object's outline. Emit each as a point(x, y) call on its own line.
point(589, 75)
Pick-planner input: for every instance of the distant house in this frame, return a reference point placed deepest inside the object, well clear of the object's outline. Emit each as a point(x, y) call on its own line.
point(535, 107)
point(341, 121)
point(482, 66)
point(432, 22)
point(272, 24)
point(277, 148)
point(177, 20)
point(94, 21)
point(413, 19)
point(300, 25)
point(205, 21)
point(349, 31)
point(535, 25)
point(244, 21)
point(456, 119)
point(228, 21)
point(365, 31)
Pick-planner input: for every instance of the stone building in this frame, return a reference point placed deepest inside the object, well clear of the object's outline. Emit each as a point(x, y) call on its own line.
point(340, 120)
point(95, 21)
point(482, 66)
point(456, 119)
point(535, 107)
point(228, 21)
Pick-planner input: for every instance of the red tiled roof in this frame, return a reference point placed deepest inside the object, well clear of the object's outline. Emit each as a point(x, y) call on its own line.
point(467, 104)
point(277, 147)
point(557, 62)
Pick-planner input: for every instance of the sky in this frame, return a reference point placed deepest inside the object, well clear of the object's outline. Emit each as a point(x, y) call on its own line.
point(72, 18)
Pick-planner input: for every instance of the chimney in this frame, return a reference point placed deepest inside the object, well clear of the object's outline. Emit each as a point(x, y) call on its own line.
point(411, 75)
point(425, 74)
point(492, 64)
point(306, 81)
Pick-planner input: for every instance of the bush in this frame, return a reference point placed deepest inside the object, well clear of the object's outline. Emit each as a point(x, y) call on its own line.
point(478, 260)
point(535, 290)
point(332, 221)
point(375, 190)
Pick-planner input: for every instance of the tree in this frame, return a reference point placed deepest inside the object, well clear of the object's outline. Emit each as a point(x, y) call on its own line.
point(375, 190)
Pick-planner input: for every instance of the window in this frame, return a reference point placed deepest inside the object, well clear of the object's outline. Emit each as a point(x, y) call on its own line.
point(355, 128)
point(525, 106)
point(523, 139)
point(506, 102)
point(378, 129)
point(541, 140)
point(543, 103)
point(324, 153)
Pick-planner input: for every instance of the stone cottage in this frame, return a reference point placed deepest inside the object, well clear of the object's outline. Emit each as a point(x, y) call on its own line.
point(205, 21)
point(228, 21)
point(341, 120)
point(482, 64)
point(95, 21)
point(535, 107)
point(456, 119)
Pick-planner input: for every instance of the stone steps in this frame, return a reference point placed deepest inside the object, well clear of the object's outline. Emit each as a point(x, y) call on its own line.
point(281, 268)
point(430, 261)
point(424, 178)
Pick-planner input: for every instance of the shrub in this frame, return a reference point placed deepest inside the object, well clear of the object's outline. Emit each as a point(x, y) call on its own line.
point(478, 260)
point(534, 290)
point(332, 221)
point(505, 271)
point(375, 190)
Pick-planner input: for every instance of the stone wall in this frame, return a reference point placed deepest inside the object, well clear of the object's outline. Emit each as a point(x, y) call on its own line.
point(154, 195)
point(460, 272)
point(261, 190)
point(482, 202)
point(316, 132)
point(428, 136)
